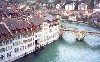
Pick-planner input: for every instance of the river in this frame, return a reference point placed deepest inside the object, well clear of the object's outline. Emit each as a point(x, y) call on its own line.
point(63, 51)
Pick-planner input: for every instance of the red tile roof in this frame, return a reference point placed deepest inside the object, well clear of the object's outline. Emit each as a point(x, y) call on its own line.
point(4, 33)
point(20, 26)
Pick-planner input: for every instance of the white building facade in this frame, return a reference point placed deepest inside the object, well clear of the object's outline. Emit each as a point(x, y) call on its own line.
point(23, 44)
point(82, 6)
point(70, 6)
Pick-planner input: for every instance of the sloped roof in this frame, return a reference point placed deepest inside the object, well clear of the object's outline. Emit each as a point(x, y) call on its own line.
point(3, 29)
point(48, 17)
point(95, 17)
point(36, 20)
point(24, 24)
point(4, 33)
point(12, 23)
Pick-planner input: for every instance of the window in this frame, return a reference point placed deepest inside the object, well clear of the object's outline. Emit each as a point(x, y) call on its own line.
point(29, 40)
point(8, 48)
point(7, 42)
point(4, 43)
point(29, 45)
point(15, 44)
point(10, 41)
point(2, 57)
point(21, 42)
point(33, 43)
point(35, 36)
point(36, 41)
point(33, 33)
point(24, 41)
point(16, 49)
point(50, 30)
point(9, 54)
point(21, 48)
point(39, 35)
point(24, 35)
point(25, 47)
point(18, 36)
point(0, 43)
point(21, 35)
point(2, 50)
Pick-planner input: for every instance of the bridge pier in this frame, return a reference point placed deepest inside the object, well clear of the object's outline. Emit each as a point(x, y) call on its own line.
point(81, 39)
point(79, 35)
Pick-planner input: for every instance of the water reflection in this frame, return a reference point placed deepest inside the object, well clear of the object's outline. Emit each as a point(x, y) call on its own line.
point(92, 40)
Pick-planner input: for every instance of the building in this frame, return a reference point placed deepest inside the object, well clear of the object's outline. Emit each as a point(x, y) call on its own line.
point(96, 10)
point(70, 6)
point(74, 17)
point(97, 5)
point(50, 29)
point(18, 38)
point(95, 19)
point(82, 6)
point(22, 32)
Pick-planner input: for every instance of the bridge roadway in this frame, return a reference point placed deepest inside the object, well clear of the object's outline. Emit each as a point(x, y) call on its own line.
point(79, 34)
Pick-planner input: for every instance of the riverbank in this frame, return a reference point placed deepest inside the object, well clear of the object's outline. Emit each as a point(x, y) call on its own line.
point(81, 23)
point(68, 25)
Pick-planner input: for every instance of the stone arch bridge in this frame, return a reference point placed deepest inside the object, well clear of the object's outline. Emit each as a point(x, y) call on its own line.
point(79, 34)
